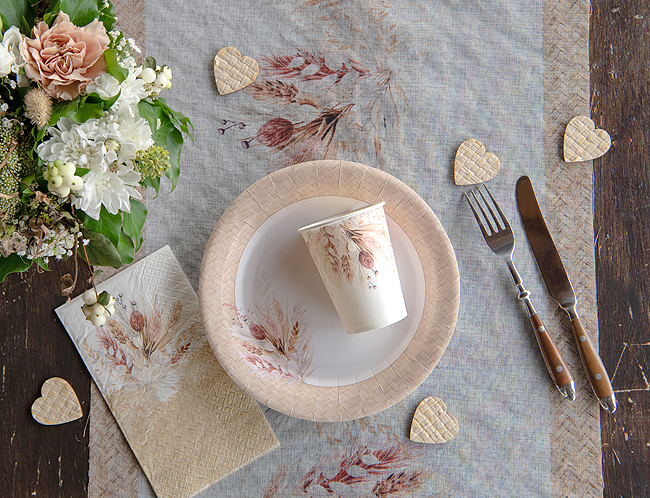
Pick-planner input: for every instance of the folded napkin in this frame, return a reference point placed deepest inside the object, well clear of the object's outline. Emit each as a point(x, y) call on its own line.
point(187, 422)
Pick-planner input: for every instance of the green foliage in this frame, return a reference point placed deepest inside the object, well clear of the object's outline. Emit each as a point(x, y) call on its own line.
point(18, 13)
point(100, 250)
point(13, 264)
point(133, 222)
point(104, 298)
point(114, 238)
point(82, 12)
point(167, 128)
point(112, 66)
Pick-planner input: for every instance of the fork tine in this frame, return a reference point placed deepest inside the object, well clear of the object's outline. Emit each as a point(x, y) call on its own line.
point(506, 225)
point(490, 220)
point(476, 215)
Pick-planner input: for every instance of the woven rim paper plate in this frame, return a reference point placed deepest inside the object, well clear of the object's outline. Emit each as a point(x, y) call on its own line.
point(252, 308)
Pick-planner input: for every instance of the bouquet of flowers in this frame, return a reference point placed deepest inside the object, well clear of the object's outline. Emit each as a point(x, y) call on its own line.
point(83, 131)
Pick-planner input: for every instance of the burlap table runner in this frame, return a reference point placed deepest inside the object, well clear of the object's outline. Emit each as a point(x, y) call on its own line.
point(575, 431)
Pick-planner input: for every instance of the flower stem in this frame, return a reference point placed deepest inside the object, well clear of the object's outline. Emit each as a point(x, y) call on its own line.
point(91, 270)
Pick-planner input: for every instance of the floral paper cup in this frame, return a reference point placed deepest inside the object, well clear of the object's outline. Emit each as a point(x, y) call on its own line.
point(355, 259)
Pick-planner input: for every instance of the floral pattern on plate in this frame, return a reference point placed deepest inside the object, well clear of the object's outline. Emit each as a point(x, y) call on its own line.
point(271, 336)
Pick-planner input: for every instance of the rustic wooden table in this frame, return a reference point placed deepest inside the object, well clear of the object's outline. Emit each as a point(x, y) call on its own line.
point(53, 461)
point(619, 55)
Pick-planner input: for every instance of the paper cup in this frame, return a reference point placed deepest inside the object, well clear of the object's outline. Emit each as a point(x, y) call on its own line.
point(355, 259)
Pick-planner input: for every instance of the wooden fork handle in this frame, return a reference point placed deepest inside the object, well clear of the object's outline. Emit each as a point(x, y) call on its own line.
point(555, 364)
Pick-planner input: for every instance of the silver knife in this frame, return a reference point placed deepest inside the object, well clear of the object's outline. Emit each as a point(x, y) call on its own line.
point(560, 288)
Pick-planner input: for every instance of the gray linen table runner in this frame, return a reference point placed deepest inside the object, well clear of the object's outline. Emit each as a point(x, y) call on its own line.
point(398, 86)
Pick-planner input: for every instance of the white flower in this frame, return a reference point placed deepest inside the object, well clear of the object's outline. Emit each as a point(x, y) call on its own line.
point(106, 86)
point(107, 146)
point(135, 130)
point(11, 41)
point(6, 61)
point(132, 90)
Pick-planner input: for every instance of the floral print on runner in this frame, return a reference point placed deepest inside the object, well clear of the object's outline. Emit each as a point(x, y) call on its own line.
point(340, 101)
point(364, 459)
point(272, 337)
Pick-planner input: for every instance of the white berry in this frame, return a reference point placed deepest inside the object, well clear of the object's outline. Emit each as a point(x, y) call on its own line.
point(98, 320)
point(98, 310)
point(89, 297)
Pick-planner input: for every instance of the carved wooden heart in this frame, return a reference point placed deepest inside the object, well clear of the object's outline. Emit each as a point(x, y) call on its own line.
point(58, 405)
point(431, 422)
point(473, 164)
point(232, 71)
point(583, 142)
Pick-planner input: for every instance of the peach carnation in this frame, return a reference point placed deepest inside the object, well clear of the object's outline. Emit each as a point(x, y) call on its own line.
point(65, 58)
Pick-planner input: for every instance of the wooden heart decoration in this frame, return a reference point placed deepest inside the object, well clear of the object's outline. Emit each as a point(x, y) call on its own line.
point(431, 422)
point(58, 404)
point(232, 71)
point(473, 164)
point(583, 142)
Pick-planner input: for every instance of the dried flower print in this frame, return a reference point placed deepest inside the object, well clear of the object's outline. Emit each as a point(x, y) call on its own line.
point(341, 101)
point(272, 337)
point(140, 347)
point(352, 250)
point(364, 458)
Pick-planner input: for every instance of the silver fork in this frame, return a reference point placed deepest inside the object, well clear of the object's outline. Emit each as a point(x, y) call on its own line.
point(499, 237)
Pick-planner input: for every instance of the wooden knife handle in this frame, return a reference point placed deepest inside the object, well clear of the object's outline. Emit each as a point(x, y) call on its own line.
point(552, 357)
point(594, 367)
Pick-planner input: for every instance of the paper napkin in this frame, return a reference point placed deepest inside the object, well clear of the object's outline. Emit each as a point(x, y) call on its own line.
point(186, 421)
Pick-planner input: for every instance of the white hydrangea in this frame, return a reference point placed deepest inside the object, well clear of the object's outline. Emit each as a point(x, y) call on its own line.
point(107, 146)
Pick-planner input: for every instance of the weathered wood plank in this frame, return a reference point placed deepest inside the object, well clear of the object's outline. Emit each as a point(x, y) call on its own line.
point(619, 53)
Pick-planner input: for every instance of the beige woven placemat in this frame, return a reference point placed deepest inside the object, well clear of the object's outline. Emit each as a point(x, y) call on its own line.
point(575, 431)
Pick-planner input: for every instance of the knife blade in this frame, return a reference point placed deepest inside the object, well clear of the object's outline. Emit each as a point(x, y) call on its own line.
point(560, 288)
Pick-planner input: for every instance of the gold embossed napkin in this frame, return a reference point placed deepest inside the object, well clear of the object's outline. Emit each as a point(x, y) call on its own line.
point(187, 422)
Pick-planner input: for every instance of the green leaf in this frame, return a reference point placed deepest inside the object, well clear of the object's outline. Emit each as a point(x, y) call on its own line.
point(101, 251)
point(60, 109)
point(151, 182)
point(81, 171)
point(151, 113)
point(81, 12)
point(125, 248)
point(113, 67)
point(88, 111)
point(41, 262)
point(107, 15)
point(94, 98)
point(51, 12)
point(104, 298)
point(174, 144)
point(109, 225)
point(18, 13)
point(13, 264)
point(178, 119)
point(133, 222)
